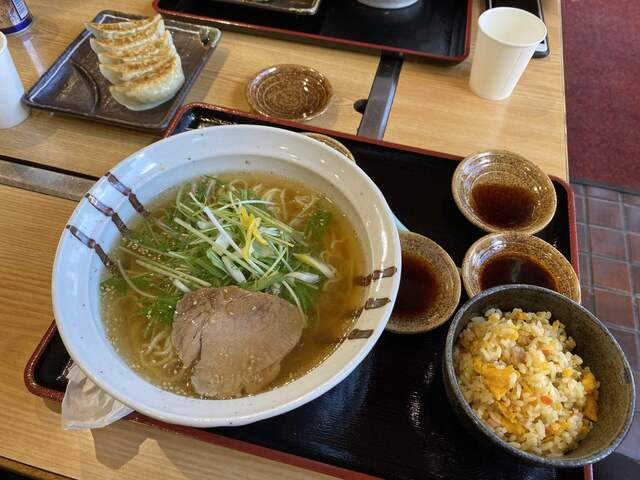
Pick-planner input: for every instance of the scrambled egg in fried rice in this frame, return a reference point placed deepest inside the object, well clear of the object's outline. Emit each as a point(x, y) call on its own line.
point(517, 372)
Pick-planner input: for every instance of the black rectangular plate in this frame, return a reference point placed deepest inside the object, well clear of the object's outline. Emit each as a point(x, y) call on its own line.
point(390, 418)
point(434, 29)
point(73, 85)
point(298, 7)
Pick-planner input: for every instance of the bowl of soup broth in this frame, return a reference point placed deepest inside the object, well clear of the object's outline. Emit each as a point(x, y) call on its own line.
point(226, 275)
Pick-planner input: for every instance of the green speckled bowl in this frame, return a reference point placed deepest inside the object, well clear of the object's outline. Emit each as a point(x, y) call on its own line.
point(594, 344)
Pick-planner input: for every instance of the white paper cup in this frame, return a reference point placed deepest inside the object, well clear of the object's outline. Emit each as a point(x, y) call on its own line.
point(12, 111)
point(507, 38)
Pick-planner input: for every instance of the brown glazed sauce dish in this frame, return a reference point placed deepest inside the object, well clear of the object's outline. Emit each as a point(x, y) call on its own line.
point(516, 258)
point(429, 286)
point(501, 191)
point(290, 92)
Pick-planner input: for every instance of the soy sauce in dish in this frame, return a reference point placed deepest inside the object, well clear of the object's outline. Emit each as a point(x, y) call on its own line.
point(503, 206)
point(418, 287)
point(508, 268)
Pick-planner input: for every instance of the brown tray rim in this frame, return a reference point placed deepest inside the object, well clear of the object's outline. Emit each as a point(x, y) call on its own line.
point(176, 102)
point(330, 39)
point(294, 460)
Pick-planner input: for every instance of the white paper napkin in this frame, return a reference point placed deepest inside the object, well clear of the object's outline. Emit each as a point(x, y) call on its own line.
point(86, 406)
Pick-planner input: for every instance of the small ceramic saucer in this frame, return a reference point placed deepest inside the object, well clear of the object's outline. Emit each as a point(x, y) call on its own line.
point(332, 142)
point(290, 92)
point(432, 292)
point(501, 172)
point(519, 246)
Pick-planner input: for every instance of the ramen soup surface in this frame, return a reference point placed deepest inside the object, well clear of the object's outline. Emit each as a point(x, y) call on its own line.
point(281, 238)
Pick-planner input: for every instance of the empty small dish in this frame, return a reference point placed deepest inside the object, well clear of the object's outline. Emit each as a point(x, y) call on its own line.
point(332, 142)
point(291, 92)
point(517, 258)
point(501, 191)
point(429, 286)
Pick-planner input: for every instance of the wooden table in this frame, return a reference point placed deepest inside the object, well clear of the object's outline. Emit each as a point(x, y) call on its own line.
point(433, 109)
point(91, 148)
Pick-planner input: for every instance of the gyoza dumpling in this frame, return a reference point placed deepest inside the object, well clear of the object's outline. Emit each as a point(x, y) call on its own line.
point(151, 90)
point(161, 47)
point(120, 45)
point(121, 29)
point(128, 71)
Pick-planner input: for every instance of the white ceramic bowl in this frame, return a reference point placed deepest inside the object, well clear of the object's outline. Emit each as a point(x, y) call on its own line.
point(78, 269)
point(388, 4)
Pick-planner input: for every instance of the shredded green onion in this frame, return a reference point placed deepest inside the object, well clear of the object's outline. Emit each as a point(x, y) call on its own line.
point(215, 235)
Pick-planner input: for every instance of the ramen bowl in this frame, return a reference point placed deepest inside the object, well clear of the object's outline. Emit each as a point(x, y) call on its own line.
point(118, 199)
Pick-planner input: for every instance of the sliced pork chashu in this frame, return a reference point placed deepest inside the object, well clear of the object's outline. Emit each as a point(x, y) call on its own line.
point(236, 339)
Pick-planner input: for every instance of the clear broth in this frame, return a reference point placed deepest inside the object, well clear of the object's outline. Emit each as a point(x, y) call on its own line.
point(329, 323)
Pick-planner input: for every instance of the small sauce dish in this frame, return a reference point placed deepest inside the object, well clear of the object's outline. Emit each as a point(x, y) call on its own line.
point(290, 92)
point(500, 191)
point(517, 258)
point(331, 142)
point(429, 286)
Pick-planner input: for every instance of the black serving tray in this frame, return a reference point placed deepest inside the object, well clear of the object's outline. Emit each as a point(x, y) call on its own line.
point(73, 85)
point(390, 418)
point(432, 29)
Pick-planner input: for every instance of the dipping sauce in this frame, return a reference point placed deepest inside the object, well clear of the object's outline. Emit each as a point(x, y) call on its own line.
point(509, 268)
point(503, 206)
point(418, 287)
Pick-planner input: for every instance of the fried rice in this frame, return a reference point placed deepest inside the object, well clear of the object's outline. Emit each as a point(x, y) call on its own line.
point(517, 372)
